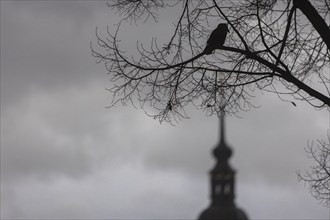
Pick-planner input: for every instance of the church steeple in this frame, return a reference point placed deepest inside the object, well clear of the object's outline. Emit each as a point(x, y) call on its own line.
point(222, 185)
point(222, 174)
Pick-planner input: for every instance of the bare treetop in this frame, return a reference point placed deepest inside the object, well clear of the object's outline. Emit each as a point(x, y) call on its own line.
point(277, 46)
point(318, 178)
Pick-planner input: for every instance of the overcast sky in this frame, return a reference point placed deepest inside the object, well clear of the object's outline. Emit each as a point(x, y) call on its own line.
point(64, 155)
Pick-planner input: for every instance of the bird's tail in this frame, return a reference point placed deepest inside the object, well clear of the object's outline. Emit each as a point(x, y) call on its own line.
point(208, 50)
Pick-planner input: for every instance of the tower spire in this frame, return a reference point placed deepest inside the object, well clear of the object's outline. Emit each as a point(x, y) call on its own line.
point(222, 151)
point(222, 126)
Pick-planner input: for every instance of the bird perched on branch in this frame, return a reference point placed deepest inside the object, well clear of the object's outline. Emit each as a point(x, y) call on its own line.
point(216, 39)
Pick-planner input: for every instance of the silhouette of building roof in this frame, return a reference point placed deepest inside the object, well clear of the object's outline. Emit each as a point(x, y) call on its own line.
point(222, 178)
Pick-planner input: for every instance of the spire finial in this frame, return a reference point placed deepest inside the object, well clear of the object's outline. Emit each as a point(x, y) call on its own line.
point(222, 126)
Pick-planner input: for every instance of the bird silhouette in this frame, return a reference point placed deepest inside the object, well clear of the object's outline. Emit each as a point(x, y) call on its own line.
point(216, 39)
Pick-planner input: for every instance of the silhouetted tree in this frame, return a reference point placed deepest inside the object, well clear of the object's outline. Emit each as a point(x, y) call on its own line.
point(318, 178)
point(279, 46)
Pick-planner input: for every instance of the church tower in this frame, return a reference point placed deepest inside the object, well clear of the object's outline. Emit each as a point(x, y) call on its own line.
point(222, 179)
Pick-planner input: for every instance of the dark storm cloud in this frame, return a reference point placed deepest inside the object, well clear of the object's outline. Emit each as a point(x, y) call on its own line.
point(38, 139)
point(268, 142)
point(272, 140)
point(185, 147)
point(68, 132)
point(80, 12)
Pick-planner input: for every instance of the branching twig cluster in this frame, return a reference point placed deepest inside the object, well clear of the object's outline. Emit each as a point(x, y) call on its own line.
point(318, 178)
point(271, 47)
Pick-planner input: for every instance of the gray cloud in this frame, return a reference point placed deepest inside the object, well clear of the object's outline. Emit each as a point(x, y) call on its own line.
point(43, 46)
point(38, 138)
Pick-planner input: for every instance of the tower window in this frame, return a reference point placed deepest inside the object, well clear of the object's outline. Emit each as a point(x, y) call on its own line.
point(218, 189)
point(227, 189)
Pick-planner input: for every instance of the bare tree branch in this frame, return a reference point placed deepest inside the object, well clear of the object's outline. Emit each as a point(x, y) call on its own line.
point(318, 178)
point(271, 47)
